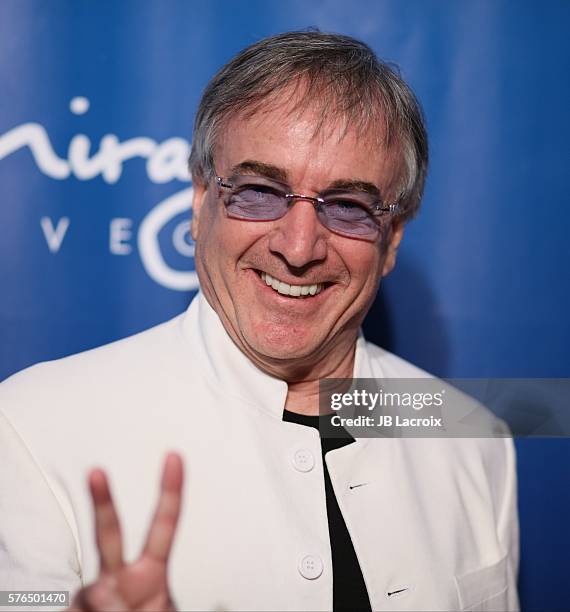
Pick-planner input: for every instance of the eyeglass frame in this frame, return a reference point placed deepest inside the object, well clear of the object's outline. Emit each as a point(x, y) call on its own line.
point(377, 211)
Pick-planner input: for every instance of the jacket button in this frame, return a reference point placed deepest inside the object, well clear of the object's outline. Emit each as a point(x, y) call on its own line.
point(303, 460)
point(310, 567)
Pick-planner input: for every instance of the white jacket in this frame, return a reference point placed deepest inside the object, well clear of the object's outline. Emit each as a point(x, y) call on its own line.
point(437, 520)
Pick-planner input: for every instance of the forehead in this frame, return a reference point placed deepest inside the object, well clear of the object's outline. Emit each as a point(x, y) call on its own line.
point(311, 153)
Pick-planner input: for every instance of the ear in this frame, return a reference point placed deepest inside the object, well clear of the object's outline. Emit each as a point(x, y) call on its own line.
point(198, 197)
point(394, 238)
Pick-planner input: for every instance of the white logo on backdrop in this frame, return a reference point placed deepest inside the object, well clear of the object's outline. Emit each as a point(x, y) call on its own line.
point(149, 248)
point(165, 161)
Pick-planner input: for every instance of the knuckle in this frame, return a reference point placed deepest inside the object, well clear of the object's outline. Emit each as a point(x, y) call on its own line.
point(98, 597)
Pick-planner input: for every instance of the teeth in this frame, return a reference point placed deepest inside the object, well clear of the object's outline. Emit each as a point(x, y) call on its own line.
point(291, 290)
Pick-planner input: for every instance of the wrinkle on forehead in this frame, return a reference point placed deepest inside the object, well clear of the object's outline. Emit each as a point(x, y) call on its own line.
point(328, 120)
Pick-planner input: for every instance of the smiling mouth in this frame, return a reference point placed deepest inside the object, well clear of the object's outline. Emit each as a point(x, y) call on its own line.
point(296, 291)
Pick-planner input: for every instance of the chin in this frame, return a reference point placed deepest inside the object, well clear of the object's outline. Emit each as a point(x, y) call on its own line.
point(282, 343)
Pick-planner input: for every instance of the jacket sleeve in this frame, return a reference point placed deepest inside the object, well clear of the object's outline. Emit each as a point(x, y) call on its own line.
point(37, 547)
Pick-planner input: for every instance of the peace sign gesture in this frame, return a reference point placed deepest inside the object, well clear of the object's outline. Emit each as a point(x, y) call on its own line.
point(141, 585)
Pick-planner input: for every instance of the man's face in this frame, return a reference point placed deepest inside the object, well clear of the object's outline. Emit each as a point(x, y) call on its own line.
point(232, 254)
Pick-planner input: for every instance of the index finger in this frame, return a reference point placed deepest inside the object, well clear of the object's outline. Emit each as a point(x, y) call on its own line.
point(165, 520)
point(107, 526)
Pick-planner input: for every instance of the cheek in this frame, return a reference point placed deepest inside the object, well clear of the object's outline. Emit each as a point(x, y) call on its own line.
point(364, 262)
point(211, 244)
point(225, 240)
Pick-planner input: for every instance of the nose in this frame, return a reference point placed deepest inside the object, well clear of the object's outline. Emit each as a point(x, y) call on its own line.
point(299, 236)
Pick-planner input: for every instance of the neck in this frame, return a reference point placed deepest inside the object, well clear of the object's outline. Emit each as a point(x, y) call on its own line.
point(303, 395)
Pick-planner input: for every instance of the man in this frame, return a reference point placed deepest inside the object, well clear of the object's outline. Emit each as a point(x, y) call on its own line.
point(308, 157)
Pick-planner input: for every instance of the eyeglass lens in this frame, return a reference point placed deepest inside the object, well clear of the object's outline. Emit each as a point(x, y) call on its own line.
point(260, 199)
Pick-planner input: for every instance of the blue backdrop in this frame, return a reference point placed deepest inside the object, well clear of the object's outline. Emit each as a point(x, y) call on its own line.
point(96, 109)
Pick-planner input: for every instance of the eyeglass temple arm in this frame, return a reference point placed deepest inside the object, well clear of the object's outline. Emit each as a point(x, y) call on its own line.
point(220, 182)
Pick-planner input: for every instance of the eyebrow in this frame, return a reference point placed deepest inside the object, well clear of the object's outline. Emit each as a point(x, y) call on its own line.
point(251, 166)
point(355, 185)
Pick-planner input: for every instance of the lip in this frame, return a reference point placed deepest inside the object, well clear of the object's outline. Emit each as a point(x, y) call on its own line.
point(286, 299)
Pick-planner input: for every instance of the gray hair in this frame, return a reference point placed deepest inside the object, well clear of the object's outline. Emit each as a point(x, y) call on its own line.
point(343, 76)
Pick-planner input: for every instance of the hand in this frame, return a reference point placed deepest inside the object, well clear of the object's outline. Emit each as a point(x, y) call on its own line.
point(141, 585)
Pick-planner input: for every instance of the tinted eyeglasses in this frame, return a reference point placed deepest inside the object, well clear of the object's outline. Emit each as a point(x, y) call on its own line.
point(353, 214)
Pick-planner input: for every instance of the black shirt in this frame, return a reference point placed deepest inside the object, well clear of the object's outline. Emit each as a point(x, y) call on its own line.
point(349, 590)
